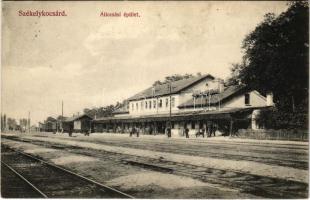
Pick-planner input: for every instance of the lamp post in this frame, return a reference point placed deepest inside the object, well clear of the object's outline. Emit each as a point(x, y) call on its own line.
point(169, 130)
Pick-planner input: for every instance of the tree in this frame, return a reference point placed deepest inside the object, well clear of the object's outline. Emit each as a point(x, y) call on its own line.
point(106, 111)
point(175, 77)
point(12, 123)
point(90, 112)
point(276, 57)
point(51, 119)
point(23, 123)
point(234, 74)
point(60, 118)
point(3, 122)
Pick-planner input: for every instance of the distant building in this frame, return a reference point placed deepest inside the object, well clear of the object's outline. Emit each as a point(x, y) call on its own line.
point(192, 103)
point(34, 128)
point(41, 126)
point(50, 124)
point(79, 124)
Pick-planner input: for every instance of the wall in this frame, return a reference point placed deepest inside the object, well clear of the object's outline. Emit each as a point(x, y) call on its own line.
point(77, 125)
point(256, 100)
point(201, 86)
point(143, 110)
point(179, 99)
point(263, 134)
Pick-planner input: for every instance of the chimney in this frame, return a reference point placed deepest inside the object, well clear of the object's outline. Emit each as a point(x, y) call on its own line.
point(269, 99)
point(221, 85)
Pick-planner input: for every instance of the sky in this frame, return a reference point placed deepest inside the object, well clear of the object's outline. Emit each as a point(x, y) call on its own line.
point(89, 61)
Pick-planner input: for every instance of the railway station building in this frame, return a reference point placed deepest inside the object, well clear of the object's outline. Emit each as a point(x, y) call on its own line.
point(76, 123)
point(193, 103)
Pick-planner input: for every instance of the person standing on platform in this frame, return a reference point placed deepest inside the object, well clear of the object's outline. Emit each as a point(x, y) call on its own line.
point(138, 131)
point(186, 132)
point(169, 132)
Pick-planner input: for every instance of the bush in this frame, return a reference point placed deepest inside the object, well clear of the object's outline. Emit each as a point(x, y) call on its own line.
point(274, 119)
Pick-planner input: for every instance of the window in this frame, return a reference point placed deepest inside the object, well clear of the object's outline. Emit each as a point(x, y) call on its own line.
point(132, 107)
point(137, 106)
point(160, 103)
point(150, 104)
point(167, 102)
point(141, 105)
point(145, 104)
point(247, 99)
point(172, 101)
point(154, 103)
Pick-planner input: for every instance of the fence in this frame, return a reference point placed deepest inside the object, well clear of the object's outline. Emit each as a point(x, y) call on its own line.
point(270, 134)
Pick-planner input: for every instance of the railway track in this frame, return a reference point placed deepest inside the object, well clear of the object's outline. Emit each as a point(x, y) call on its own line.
point(14, 186)
point(281, 158)
point(239, 155)
point(261, 186)
point(38, 178)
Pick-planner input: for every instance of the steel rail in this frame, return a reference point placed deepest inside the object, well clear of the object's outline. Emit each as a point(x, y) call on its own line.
point(75, 174)
point(25, 180)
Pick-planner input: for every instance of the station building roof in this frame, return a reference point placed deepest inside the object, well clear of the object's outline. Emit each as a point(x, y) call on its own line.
point(215, 98)
point(163, 89)
point(74, 118)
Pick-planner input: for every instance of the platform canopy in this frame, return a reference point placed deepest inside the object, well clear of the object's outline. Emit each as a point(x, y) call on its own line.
point(229, 114)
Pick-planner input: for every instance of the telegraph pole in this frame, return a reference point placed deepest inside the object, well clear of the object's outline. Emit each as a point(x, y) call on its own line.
point(62, 116)
point(28, 122)
point(209, 99)
point(170, 127)
point(170, 103)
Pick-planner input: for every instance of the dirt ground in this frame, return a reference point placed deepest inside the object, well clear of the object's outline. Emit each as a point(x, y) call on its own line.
point(88, 157)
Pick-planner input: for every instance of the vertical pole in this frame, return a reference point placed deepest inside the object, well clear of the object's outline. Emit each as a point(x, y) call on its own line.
point(2, 123)
point(170, 127)
point(170, 104)
point(231, 127)
point(62, 116)
point(5, 124)
point(156, 104)
point(209, 99)
point(28, 123)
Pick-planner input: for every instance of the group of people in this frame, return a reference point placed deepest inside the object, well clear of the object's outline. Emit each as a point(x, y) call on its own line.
point(134, 131)
point(209, 131)
point(185, 132)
